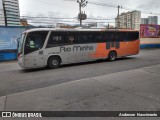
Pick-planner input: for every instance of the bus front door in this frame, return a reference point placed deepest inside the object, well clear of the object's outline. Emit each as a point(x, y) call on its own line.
point(35, 59)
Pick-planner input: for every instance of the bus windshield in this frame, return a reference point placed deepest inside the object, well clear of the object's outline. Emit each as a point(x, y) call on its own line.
point(20, 43)
point(34, 41)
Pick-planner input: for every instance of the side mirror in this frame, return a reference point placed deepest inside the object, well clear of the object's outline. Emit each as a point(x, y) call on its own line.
point(18, 39)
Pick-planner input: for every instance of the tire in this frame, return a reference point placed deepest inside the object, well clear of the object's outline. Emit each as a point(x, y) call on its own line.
point(54, 62)
point(112, 56)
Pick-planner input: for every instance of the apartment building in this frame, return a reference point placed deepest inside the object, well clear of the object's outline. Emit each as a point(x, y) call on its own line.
point(153, 20)
point(150, 20)
point(11, 14)
point(129, 20)
point(2, 22)
point(144, 20)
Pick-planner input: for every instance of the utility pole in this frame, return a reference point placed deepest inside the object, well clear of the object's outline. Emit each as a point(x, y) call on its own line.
point(118, 16)
point(131, 21)
point(82, 3)
point(80, 12)
point(108, 25)
point(4, 10)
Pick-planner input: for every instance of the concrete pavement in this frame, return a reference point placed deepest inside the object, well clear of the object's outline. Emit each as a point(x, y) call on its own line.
point(14, 79)
point(133, 90)
point(142, 84)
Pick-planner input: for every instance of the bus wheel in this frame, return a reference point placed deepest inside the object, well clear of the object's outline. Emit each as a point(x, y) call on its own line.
point(112, 56)
point(54, 62)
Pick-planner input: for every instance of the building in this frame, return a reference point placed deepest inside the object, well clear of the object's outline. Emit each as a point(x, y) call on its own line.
point(11, 12)
point(61, 25)
point(144, 20)
point(153, 20)
point(23, 22)
point(92, 24)
point(150, 20)
point(2, 22)
point(129, 20)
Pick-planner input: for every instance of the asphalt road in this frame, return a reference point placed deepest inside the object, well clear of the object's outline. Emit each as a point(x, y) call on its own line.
point(14, 79)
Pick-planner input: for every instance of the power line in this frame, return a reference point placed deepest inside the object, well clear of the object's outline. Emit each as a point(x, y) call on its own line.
point(125, 8)
point(69, 22)
point(64, 18)
point(142, 11)
point(44, 17)
point(103, 4)
point(51, 4)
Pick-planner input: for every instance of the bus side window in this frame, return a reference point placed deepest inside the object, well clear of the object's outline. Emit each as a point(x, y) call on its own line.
point(51, 41)
point(105, 37)
point(133, 36)
point(92, 36)
point(117, 37)
point(82, 37)
point(124, 36)
point(99, 37)
point(57, 39)
point(121, 36)
point(73, 38)
point(109, 36)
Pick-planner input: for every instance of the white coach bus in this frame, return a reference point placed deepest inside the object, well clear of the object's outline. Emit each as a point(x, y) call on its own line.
point(53, 47)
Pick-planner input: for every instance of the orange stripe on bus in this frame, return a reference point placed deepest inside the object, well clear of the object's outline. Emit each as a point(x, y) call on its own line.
point(126, 48)
point(101, 51)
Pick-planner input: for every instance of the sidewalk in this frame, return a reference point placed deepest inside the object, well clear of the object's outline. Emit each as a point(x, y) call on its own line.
point(134, 90)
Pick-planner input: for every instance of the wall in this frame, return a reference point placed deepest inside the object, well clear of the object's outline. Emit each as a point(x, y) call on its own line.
point(8, 37)
point(8, 42)
point(149, 43)
point(150, 36)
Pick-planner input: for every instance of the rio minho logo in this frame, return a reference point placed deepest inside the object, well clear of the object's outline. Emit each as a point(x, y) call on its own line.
point(6, 114)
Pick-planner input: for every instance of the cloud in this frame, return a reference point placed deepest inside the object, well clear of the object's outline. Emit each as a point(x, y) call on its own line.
point(149, 5)
point(70, 9)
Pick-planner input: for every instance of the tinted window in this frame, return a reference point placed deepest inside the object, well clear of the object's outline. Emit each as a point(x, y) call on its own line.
point(94, 37)
point(108, 36)
point(127, 36)
point(121, 36)
point(90, 37)
point(73, 38)
point(133, 36)
point(20, 43)
point(57, 39)
point(85, 37)
point(35, 41)
point(98, 37)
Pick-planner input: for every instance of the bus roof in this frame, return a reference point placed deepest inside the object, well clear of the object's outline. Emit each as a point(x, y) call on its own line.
point(75, 29)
